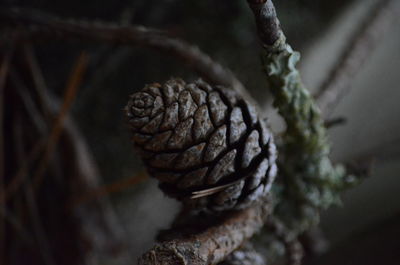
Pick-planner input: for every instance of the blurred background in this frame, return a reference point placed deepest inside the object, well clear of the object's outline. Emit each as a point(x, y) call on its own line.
point(93, 204)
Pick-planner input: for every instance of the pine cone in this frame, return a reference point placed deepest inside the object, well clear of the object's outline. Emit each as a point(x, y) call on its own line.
point(206, 145)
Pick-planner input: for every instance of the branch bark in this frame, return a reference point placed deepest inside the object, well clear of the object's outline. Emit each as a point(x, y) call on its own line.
point(268, 25)
point(212, 244)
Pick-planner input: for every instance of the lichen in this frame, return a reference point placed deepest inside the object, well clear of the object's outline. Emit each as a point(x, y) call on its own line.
point(308, 180)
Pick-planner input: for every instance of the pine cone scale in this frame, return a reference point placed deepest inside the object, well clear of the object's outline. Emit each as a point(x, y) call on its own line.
point(203, 126)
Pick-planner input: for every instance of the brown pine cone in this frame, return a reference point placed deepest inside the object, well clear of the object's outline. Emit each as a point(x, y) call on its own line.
point(206, 145)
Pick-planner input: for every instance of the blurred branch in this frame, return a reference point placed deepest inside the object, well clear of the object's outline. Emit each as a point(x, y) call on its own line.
point(20, 176)
point(98, 221)
point(329, 123)
point(97, 226)
point(35, 25)
point(359, 50)
point(69, 96)
point(211, 244)
point(37, 80)
point(105, 62)
point(36, 219)
point(34, 153)
point(383, 151)
point(18, 227)
point(47, 143)
point(110, 188)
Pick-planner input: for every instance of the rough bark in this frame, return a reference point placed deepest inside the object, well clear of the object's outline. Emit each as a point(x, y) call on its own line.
point(269, 28)
point(212, 244)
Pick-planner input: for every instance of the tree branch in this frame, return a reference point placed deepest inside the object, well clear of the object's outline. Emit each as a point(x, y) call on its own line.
point(35, 25)
point(269, 28)
point(211, 244)
point(309, 182)
point(360, 47)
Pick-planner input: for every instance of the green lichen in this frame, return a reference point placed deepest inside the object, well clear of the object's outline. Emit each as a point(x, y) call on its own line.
point(308, 181)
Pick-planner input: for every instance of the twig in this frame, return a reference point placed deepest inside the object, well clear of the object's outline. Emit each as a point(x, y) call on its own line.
point(269, 29)
point(38, 80)
point(40, 235)
point(17, 225)
point(36, 117)
point(28, 102)
point(36, 149)
point(46, 144)
point(109, 62)
point(37, 25)
point(110, 188)
point(22, 172)
point(309, 182)
point(210, 245)
point(69, 96)
point(97, 220)
point(368, 37)
point(329, 123)
point(97, 223)
point(384, 151)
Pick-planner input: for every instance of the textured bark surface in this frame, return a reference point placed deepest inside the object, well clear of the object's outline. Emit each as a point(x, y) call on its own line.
point(269, 27)
point(205, 144)
point(212, 244)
